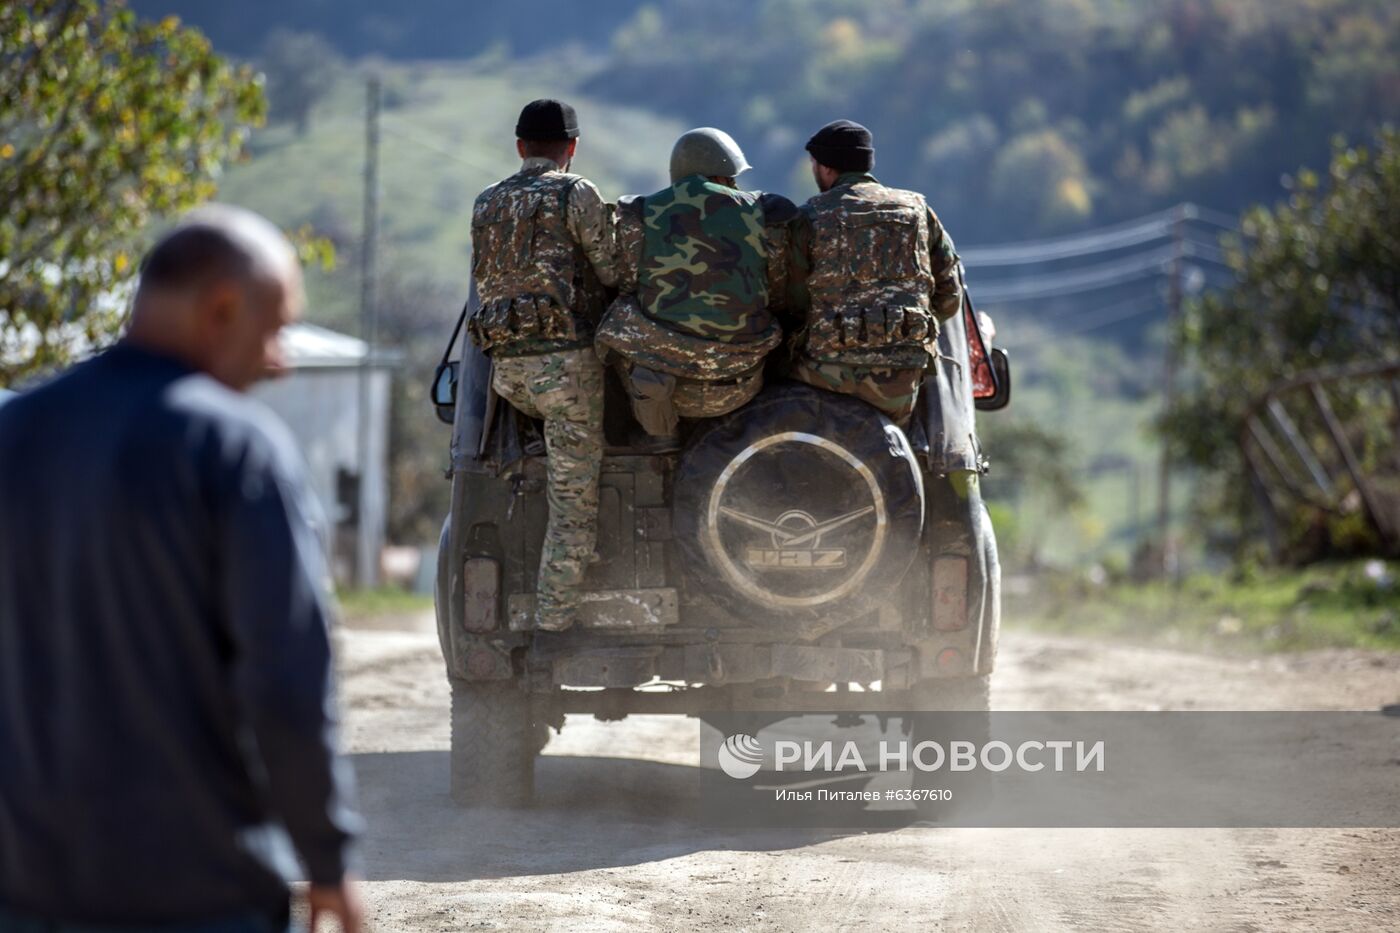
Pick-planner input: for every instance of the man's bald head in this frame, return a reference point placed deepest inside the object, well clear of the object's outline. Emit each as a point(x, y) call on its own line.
point(215, 291)
point(219, 241)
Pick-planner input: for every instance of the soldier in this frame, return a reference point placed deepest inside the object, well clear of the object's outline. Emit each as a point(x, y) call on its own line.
point(542, 251)
point(875, 273)
point(702, 269)
point(877, 278)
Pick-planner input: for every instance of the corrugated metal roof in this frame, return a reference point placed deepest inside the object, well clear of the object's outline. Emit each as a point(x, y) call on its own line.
point(310, 345)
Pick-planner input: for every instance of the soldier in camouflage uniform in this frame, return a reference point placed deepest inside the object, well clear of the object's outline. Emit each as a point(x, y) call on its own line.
point(876, 276)
point(702, 270)
point(542, 252)
point(874, 272)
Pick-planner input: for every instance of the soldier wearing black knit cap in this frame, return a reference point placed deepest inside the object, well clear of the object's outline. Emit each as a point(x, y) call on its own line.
point(542, 254)
point(878, 286)
point(875, 273)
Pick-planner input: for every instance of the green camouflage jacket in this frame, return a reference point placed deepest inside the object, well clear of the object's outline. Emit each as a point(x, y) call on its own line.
point(706, 260)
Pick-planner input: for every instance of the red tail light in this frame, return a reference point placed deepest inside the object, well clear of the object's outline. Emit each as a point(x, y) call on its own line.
point(481, 594)
point(950, 594)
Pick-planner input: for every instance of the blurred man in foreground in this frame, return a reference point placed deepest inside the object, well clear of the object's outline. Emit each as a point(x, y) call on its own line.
point(165, 672)
point(702, 267)
point(542, 253)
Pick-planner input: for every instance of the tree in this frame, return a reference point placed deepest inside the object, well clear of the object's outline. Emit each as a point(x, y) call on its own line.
point(301, 69)
point(106, 123)
point(1317, 283)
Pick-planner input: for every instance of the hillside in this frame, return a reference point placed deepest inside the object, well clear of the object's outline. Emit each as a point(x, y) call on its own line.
point(447, 132)
point(409, 29)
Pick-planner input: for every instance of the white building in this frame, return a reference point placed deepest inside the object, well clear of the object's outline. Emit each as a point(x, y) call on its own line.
point(337, 405)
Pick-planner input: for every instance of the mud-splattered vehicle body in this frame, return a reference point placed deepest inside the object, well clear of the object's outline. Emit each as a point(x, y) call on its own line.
point(798, 543)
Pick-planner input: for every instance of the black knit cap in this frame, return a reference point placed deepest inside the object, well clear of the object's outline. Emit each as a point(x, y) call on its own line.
point(844, 146)
point(547, 119)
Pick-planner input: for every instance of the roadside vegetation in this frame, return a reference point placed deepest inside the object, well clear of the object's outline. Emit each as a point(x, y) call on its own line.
point(1352, 604)
point(1021, 119)
point(380, 602)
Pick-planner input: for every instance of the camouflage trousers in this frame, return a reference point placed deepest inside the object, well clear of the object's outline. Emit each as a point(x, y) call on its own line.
point(660, 399)
point(565, 390)
point(697, 399)
point(892, 391)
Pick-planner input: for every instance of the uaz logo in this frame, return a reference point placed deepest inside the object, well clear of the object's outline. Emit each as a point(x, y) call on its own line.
point(796, 538)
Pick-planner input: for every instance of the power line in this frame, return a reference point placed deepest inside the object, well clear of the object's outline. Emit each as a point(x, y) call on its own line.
point(1206, 215)
point(1102, 275)
point(1036, 251)
point(428, 144)
point(1137, 232)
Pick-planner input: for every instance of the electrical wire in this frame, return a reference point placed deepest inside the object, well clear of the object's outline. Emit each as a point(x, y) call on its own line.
point(1092, 278)
point(1137, 232)
point(428, 144)
point(1097, 241)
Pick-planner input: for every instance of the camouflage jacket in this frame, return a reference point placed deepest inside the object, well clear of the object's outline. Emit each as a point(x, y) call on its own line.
point(543, 250)
point(705, 260)
point(874, 271)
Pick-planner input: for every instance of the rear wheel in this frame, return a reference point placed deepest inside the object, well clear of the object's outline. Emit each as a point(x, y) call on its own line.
point(970, 698)
point(494, 744)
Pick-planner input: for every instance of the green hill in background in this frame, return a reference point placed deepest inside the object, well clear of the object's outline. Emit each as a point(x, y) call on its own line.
point(447, 132)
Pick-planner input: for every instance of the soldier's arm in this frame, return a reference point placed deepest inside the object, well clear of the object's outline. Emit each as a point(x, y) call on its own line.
point(946, 299)
point(590, 221)
point(631, 235)
point(778, 216)
point(799, 261)
point(476, 247)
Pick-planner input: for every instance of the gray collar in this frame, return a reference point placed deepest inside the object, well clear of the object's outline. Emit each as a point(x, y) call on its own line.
point(538, 165)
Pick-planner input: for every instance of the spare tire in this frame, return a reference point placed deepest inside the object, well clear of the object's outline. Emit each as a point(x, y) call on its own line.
point(803, 504)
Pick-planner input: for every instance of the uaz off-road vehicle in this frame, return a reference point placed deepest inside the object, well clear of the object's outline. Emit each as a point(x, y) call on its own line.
point(798, 543)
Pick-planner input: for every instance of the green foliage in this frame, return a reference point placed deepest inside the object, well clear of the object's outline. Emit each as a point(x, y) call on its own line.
point(301, 69)
point(1317, 283)
point(1341, 605)
point(106, 123)
point(450, 135)
point(359, 605)
point(1021, 118)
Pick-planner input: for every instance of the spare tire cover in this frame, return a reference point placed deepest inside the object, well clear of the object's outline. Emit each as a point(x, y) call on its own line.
point(803, 504)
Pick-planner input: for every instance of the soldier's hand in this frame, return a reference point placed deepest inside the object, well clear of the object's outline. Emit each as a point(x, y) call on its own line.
point(341, 901)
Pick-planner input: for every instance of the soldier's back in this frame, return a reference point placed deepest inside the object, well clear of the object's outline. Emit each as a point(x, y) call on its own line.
point(704, 261)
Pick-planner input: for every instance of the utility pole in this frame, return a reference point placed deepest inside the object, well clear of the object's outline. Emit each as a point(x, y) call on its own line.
point(1175, 289)
point(368, 506)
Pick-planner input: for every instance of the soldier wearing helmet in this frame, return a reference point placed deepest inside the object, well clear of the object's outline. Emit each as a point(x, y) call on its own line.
point(542, 252)
point(702, 269)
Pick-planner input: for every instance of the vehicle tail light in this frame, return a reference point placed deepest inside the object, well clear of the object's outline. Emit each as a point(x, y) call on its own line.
point(481, 594)
point(950, 594)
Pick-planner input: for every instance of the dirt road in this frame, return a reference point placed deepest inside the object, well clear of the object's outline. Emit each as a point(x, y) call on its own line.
point(603, 849)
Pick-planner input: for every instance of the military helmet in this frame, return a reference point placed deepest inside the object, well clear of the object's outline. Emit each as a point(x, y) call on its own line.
point(707, 151)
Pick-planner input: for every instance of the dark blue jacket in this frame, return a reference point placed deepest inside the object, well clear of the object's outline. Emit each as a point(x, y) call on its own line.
point(166, 710)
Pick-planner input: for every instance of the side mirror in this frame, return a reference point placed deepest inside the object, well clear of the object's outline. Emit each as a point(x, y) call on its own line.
point(445, 391)
point(1001, 378)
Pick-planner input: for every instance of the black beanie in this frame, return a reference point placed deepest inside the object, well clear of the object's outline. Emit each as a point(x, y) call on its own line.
point(844, 146)
point(547, 120)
